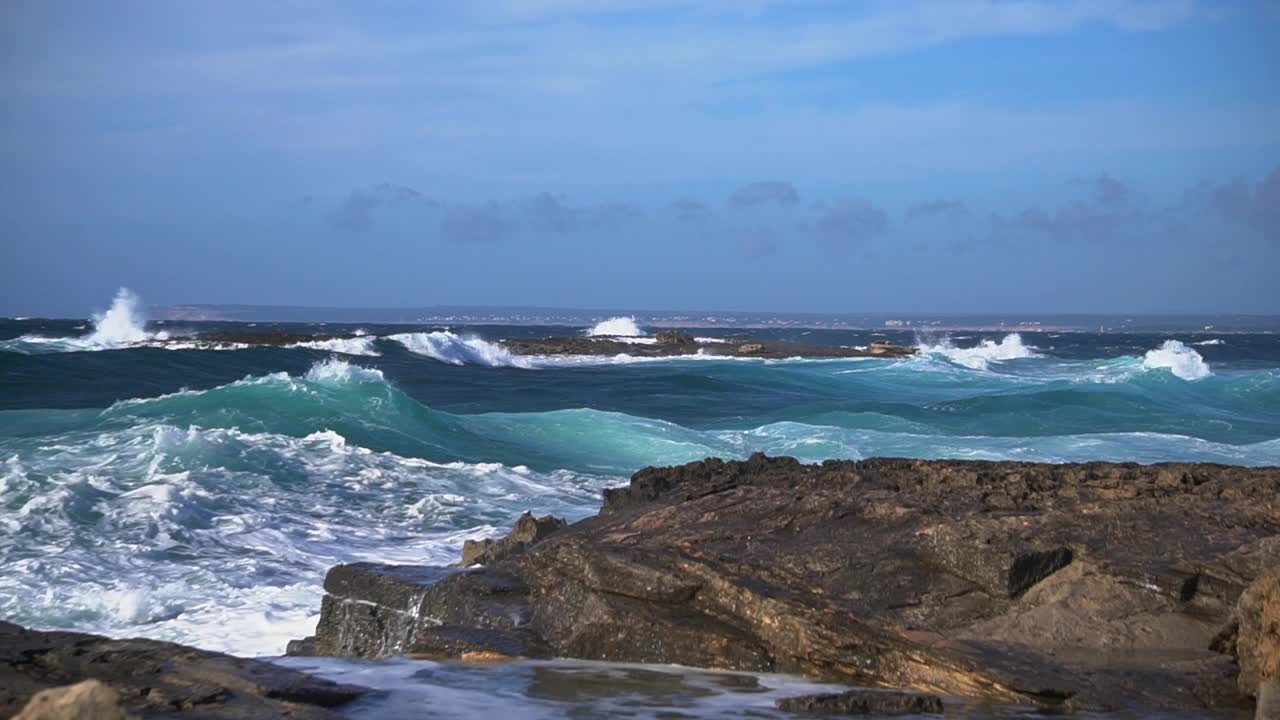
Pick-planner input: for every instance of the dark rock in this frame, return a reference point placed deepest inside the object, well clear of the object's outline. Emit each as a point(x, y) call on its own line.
point(674, 337)
point(158, 679)
point(303, 647)
point(863, 702)
point(527, 531)
point(671, 343)
point(1087, 585)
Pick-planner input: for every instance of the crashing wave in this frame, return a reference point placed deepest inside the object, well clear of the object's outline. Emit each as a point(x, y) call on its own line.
point(122, 325)
point(617, 326)
point(1180, 360)
point(360, 345)
point(448, 347)
point(983, 354)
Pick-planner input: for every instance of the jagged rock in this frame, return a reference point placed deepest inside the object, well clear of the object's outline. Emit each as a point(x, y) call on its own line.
point(158, 679)
point(863, 702)
point(527, 531)
point(86, 700)
point(1086, 585)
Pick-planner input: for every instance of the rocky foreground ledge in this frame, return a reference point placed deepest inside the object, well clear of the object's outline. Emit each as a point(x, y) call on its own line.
point(48, 675)
point(1079, 586)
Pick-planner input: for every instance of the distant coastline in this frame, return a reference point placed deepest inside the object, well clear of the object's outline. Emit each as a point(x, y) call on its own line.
point(920, 322)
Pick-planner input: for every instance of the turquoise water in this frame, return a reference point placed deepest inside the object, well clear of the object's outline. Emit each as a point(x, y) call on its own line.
point(199, 495)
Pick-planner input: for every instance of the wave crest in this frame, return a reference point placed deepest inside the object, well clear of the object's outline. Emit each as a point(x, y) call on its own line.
point(981, 355)
point(448, 347)
point(1181, 360)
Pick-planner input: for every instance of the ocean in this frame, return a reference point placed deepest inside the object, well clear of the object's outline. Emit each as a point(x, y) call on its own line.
point(150, 488)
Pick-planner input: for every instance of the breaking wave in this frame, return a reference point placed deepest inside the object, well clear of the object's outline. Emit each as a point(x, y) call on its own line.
point(983, 354)
point(362, 344)
point(618, 326)
point(1181, 360)
point(454, 349)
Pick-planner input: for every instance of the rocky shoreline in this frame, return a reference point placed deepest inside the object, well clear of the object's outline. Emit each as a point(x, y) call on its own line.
point(667, 343)
point(1085, 586)
point(670, 343)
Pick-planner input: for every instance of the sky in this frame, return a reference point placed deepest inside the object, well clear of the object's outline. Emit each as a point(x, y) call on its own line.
point(807, 155)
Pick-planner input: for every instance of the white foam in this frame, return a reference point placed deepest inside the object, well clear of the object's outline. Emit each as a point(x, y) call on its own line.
point(1179, 359)
point(983, 354)
point(334, 370)
point(258, 517)
point(618, 326)
point(448, 347)
point(1214, 341)
point(360, 345)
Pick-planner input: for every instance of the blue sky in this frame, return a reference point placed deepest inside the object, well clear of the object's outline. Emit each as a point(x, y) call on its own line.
point(817, 155)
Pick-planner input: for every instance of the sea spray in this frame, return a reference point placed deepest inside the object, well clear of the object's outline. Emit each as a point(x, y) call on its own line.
point(122, 323)
point(618, 326)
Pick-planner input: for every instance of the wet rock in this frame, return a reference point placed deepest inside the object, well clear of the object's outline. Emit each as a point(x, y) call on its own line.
point(1085, 586)
point(87, 700)
point(527, 531)
point(863, 702)
point(154, 679)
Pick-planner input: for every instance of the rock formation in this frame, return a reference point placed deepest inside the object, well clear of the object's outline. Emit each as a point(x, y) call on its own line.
point(150, 679)
point(1086, 585)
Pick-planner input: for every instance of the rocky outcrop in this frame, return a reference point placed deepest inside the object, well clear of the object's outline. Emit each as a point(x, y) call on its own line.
point(1253, 639)
point(150, 679)
point(1085, 585)
point(527, 531)
point(670, 343)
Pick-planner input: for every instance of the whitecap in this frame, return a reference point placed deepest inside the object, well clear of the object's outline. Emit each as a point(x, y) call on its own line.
point(1179, 359)
point(448, 347)
point(983, 354)
point(359, 345)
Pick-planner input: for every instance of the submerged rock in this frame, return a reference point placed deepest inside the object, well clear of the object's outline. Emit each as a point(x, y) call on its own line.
point(152, 679)
point(1065, 586)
